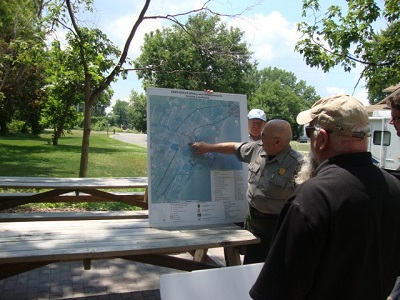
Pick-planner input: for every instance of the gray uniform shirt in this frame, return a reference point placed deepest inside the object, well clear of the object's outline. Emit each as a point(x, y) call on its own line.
point(253, 140)
point(270, 182)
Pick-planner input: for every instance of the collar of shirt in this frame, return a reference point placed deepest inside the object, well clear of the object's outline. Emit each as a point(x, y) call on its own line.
point(346, 160)
point(280, 156)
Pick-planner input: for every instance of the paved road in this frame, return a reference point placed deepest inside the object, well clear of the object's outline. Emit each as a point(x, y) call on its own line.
point(131, 138)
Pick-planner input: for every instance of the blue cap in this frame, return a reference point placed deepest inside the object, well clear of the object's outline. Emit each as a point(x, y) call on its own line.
point(257, 114)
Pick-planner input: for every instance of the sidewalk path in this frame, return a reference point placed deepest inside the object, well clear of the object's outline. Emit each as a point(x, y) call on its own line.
point(138, 139)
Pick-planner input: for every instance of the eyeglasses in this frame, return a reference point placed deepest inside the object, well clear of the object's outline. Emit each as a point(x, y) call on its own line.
point(309, 130)
point(394, 119)
point(257, 123)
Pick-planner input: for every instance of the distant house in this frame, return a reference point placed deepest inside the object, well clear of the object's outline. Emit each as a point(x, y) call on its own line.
point(380, 106)
point(393, 90)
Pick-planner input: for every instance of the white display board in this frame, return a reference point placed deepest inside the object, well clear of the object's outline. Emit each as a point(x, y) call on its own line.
point(227, 283)
point(184, 188)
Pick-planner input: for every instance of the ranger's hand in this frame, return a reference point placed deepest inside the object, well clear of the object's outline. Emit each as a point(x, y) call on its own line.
point(200, 148)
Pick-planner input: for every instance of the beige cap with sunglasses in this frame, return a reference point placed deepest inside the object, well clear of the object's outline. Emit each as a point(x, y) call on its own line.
point(337, 113)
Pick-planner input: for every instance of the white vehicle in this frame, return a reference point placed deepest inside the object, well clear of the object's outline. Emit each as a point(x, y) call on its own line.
point(384, 144)
point(303, 138)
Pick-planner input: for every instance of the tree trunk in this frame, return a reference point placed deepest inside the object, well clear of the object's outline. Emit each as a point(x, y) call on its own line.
point(87, 124)
point(56, 136)
point(58, 132)
point(3, 127)
point(85, 140)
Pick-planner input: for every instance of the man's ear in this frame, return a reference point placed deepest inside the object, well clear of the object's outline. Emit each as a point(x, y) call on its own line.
point(323, 139)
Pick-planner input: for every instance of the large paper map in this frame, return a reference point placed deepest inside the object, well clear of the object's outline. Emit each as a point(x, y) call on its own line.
point(184, 188)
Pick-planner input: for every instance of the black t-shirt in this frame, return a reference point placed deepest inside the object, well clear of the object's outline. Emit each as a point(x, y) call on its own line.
point(338, 236)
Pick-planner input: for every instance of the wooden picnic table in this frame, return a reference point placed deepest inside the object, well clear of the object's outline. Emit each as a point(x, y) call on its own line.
point(28, 245)
point(50, 189)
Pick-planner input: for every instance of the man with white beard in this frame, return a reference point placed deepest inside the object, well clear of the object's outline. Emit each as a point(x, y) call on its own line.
point(338, 235)
point(307, 169)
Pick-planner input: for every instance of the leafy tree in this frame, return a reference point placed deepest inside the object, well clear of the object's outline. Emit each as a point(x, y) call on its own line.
point(346, 36)
point(100, 123)
point(64, 90)
point(112, 119)
point(282, 96)
point(21, 57)
point(386, 71)
point(104, 101)
point(201, 54)
point(137, 111)
point(96, 57)
point(120, 111)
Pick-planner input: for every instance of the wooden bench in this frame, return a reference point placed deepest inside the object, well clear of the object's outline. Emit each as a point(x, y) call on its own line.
point(133, 198)
point(28, 245)
point(81, 215)
point(52, 190)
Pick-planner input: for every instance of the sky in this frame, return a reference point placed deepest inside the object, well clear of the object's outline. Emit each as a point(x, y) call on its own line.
point(269, 28)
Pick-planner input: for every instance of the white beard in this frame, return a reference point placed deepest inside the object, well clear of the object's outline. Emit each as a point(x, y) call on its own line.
point(307, 169)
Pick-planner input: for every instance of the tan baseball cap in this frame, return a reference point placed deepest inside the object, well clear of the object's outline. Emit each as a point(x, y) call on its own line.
point(337, 113)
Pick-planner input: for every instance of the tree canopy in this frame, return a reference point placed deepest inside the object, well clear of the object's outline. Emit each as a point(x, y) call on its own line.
point(66, 78)
point(384, 49)
point(281, 95)
point(21, 60)
point(137, 112)
point(212, 56)
point(203, 53)
point(349, 34)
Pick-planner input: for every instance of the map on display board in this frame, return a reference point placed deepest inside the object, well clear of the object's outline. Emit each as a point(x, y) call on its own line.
point(188, 189)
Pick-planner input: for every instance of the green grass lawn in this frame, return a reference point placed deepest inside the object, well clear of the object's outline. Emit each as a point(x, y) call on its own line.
point(36, 157)
point(301, 147)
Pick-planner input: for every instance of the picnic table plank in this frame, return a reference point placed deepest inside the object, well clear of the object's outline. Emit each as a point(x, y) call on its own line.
point(96, 239)
point(54, 182)
point(51, 189)
point(73, 215)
